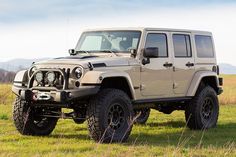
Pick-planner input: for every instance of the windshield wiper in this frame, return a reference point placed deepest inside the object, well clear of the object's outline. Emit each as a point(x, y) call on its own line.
point(82, 51)
point(109, 51)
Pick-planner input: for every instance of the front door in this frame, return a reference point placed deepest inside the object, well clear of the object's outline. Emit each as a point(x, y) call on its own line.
point(183, 62)
point(156, 77)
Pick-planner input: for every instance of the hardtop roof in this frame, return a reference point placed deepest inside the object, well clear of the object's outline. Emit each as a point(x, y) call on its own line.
point(149, 29)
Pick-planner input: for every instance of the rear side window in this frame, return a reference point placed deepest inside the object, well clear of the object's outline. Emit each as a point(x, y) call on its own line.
point(157, 40)
point(204, 46)
point(182, 45)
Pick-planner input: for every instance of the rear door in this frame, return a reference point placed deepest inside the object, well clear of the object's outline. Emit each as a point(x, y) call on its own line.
point(183, 62)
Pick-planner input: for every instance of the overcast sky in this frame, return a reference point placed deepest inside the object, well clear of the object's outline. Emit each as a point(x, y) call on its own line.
point(48, 28)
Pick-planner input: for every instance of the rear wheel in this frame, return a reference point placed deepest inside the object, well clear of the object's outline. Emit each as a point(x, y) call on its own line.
point(202, 112)
point(109, 116)
point(28, 120)
point(141, 115)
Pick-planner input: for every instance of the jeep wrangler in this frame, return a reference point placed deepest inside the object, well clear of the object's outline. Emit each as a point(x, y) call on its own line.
point(114, 77)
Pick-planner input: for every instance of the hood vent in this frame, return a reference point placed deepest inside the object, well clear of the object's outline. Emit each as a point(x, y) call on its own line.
point(99, 65)
point(76, 57)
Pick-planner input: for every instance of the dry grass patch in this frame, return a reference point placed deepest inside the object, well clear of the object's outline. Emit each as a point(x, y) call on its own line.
point(229, 94)
point(6, 95)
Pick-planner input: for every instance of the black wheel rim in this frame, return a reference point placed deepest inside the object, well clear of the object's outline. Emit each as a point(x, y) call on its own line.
point(207, 109)
point(116, 116)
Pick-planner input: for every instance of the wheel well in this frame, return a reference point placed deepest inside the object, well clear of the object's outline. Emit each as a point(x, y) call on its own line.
point(117, 83)
point(211, 81)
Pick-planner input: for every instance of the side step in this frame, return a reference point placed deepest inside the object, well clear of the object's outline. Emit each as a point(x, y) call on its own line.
point(153, 103)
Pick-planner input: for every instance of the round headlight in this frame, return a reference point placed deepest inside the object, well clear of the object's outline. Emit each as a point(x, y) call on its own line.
point(78, 72)
point(39, 77)
point(51, 77)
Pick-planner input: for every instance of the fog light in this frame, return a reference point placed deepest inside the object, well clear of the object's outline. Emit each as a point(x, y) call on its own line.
point(77, 84)
point(39, 77)
point(51, 77)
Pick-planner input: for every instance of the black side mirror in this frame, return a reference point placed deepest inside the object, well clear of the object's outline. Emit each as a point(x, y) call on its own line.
point(151, 52)
point(72, 52)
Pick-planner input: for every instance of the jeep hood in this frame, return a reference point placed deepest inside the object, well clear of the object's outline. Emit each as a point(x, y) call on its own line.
point(94, 60)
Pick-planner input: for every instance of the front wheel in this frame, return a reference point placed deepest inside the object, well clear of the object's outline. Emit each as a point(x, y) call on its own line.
point(28, 120)
point(109, 116)
point(203, 110)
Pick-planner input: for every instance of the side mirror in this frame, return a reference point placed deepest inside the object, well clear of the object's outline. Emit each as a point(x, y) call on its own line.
point(72, 52)
point(151, 52)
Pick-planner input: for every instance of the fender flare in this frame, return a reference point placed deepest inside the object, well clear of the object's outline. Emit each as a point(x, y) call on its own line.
point(96, 77)
point(21, 77)
point(198, 76)
point(19, 81)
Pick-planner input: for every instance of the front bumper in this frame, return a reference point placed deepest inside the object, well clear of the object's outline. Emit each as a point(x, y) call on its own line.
point(55, 96)
point(51, 94)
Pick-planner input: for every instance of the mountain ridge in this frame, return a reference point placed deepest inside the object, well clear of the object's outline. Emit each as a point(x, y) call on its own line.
point(18, 64)
point(15, 65)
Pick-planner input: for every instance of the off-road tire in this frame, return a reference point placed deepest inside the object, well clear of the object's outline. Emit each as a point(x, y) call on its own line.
point(197, 115)
point(142, 115)
point(99, 112)
point(26, 122)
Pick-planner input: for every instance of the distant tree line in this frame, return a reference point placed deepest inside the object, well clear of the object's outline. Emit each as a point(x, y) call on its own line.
point(6, 76)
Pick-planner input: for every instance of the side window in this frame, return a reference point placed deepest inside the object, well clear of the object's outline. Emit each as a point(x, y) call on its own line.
point(158, 40)
point(182, 45)
point(204, 46)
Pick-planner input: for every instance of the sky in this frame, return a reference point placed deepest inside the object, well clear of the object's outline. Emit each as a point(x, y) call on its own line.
point(48, 28)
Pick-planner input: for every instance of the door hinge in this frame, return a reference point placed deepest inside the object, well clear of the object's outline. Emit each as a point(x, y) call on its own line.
point(142, 69)
point(174, 68)
point(142, 87)
point(175, 85)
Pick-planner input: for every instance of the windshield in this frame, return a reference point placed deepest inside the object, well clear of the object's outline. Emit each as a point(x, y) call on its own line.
point(115, 41)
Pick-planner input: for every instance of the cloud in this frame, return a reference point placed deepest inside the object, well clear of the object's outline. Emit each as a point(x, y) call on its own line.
point(52, 33)
point(15, 11)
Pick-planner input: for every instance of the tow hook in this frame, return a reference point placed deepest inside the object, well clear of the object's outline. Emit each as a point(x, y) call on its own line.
point(42, 96)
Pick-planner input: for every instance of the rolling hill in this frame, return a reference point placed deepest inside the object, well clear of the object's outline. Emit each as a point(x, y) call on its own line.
point(18, 64)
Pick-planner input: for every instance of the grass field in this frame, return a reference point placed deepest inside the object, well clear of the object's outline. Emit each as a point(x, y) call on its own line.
point(163, 135)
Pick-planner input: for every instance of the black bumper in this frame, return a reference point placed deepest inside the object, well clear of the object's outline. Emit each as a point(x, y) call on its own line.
point(55, 96)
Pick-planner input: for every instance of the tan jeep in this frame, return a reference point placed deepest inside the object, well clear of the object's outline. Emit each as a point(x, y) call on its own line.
point(114, 77)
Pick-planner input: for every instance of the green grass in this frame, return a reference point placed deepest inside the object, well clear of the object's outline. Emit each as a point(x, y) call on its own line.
point(229, 94)
point(162, 135)
point(6, 95)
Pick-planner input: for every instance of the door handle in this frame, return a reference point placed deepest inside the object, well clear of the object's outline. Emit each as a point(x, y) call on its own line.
point(167, 64)
point(189, 64)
